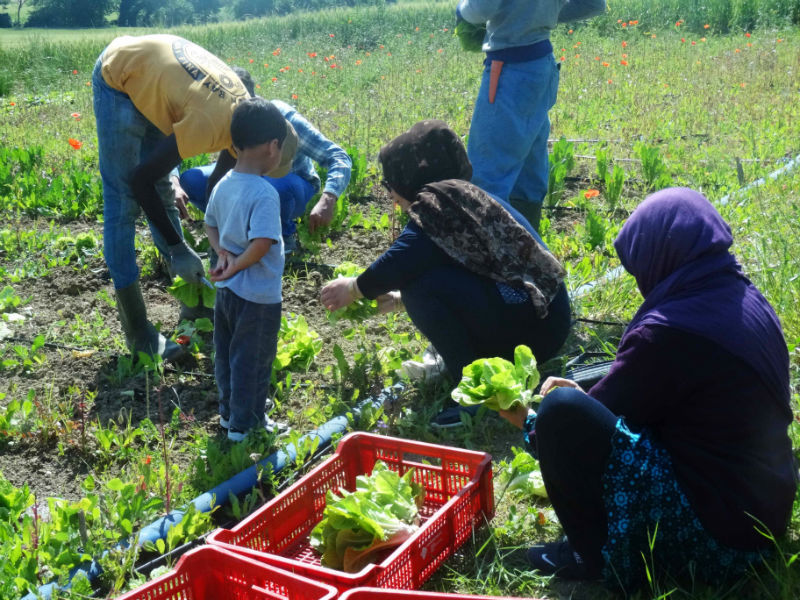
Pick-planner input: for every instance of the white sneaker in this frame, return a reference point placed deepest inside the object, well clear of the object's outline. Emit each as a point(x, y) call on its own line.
point(430, 369)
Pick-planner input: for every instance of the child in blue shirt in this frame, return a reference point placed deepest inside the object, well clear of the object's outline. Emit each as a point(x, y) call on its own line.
point(244, 227)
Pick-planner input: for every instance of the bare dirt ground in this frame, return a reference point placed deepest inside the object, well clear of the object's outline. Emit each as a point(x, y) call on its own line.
point(82, 378)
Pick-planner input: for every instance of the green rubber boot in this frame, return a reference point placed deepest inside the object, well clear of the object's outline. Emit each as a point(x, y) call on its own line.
point(140, 333)
point(531, 211)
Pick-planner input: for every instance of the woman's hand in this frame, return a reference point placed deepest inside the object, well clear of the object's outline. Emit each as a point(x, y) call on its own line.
point(339, 293)
point(552, 383)
point(516, 416)
point(390, 302)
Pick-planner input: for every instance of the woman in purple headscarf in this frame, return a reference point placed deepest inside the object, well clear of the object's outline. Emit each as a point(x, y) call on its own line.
point(683, 446)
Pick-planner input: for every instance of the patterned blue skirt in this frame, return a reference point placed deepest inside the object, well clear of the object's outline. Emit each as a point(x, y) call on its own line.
point(651, 526)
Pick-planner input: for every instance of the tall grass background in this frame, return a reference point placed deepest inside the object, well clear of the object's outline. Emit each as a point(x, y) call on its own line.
point(719, 103)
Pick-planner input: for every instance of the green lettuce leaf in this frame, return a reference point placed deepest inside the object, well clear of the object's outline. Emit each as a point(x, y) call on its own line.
point(498, 383)
point(383, 505)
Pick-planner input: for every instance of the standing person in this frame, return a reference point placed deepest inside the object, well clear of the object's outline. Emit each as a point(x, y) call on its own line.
point(685, 441)
point(157, 99)
point(472, 273)
point(244, 228)
point(510, 124)
point(300, 184)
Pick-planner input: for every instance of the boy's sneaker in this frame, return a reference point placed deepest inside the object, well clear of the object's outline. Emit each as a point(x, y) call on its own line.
point(451, 417)
point(558, 558)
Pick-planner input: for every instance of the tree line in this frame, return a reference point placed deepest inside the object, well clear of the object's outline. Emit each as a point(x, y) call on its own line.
point(145, 13)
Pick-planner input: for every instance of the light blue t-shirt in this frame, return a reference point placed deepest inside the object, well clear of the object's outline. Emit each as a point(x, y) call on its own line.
point(245, 207)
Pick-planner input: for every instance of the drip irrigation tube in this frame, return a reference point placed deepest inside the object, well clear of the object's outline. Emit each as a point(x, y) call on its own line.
point(789, 166)
point(617, 271)
point(236, 485)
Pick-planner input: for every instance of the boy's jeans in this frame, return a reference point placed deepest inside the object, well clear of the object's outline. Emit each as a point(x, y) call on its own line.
point(508, 139)
point(246, 341)
point(294, 192)
point(124, 139)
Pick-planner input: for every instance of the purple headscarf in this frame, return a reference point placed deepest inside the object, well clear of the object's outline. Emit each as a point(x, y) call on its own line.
point(676, 245)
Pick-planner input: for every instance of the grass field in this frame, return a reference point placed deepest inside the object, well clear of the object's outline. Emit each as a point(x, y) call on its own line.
point(658, 97)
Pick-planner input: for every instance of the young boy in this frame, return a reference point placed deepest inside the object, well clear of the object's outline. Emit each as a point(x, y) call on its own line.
point(244, 228)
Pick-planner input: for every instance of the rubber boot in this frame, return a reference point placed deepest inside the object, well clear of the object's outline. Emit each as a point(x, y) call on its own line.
point(192, 313)
point(530, 210)
point(140, 334)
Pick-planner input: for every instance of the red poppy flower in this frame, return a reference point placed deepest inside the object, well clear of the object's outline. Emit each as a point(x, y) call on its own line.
point(183, 340)
point(76, 115)
point(592, 193)
point(75, 143)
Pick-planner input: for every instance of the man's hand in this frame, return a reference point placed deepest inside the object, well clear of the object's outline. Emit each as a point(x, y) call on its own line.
point(322, 213)
point(181, 197)
point(185, 262)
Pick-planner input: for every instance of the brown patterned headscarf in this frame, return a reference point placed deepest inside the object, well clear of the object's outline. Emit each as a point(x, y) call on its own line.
point(429, 151)
point(428, 166)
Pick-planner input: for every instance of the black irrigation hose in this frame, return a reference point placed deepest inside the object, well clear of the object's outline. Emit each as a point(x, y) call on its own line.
point(164, 559)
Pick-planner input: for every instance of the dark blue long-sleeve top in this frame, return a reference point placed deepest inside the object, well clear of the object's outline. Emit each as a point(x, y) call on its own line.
point(412, 254)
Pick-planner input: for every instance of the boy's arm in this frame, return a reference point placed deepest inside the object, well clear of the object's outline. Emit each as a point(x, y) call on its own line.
point(254, 252)
point(212, 233)
point(574, 10)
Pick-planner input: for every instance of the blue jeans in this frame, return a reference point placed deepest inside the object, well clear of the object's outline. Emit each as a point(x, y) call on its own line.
point(246, 341)
point(125, 138)
point(465, 318)
point(294, 192)
point(508, 139)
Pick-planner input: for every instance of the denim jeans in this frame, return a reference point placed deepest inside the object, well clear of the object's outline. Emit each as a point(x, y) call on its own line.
point(124, 138)
point(294, 192)
point(246, 341)
point(465, 318)
point(508, 139)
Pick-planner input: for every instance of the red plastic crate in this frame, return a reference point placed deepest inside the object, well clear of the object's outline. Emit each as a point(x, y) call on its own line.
point(367, 593)
point(213, 573)
point(459, 496)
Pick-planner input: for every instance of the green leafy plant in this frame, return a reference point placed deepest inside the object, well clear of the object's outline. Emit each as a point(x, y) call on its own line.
point(358, 310)
point(9, 299)
point(382, 512)
point(614, 181)
point(297, 344)
point(470, 36)
point(192, 294)
point(562, 162)
point(497, 383)
point(594, 232)
point(654, 170)
point(602, 157)
point(521, 476)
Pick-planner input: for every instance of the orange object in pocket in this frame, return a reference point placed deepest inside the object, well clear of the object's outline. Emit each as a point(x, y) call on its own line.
point(494, 78)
